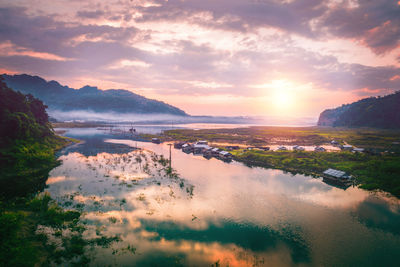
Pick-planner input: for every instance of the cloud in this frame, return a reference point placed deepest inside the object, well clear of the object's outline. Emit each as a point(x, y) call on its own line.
point(90, 14)
point(7, 48)
point(238, 15)
point(204, 48)
point(44, 34)
point(375, 24)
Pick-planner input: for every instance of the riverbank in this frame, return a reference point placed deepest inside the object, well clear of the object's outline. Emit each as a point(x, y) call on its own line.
point(370, 171)
point(28, 217)
point(34, 230)
point(376, 139)
point(377, 169)
point(78, 125)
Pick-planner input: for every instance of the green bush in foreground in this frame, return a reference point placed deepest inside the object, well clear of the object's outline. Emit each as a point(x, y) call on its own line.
point(22, 245)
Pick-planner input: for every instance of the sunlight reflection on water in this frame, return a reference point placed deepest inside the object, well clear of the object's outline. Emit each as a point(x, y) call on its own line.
point(219, 212)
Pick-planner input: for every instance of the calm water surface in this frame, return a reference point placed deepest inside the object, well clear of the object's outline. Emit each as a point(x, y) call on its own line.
point(218, 213)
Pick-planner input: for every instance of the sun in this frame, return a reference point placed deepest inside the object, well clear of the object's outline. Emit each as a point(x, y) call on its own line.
point(282, 93)
point(282, 98)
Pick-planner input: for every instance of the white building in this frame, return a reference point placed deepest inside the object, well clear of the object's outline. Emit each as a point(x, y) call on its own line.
point(347, 147)
point(358, 150)
point(298, 148)
point(225, 155)
point(200, 148)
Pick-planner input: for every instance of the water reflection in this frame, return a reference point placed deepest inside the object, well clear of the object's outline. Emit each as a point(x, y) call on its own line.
point(218, 213)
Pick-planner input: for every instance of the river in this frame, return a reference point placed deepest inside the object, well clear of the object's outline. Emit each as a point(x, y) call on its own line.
point(217, 213)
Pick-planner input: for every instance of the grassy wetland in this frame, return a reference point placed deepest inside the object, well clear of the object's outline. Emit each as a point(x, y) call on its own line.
point(267, 135)
point(378, 168)
point(110, 203)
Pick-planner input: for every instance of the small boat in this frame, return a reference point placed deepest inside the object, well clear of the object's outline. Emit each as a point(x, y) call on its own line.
point(155, 140)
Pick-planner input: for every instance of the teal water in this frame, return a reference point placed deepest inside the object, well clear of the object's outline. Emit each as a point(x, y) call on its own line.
point(217, 213)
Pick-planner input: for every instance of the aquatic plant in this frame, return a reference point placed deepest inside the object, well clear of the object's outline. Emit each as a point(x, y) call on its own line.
point(112, 219)
point(189, 190)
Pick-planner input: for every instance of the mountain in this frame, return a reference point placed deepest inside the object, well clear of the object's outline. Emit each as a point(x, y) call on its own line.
point(376, 112)
point(64, 98)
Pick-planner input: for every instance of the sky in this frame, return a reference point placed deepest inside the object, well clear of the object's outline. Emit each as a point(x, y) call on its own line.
point(289, 58)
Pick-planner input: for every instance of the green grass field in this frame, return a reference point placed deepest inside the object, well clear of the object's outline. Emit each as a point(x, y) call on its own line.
point(264, 135)
point(370, 171)
point(377, 170)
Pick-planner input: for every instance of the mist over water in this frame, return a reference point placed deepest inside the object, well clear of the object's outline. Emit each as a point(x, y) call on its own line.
point(87, 115)
point(114, 117)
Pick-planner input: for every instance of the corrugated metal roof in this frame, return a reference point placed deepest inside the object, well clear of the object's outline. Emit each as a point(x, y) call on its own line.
point(335, 173)
point(201, 146)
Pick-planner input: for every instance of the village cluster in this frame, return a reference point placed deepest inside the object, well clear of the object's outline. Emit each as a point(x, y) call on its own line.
point(202, 148)
point(344, 147)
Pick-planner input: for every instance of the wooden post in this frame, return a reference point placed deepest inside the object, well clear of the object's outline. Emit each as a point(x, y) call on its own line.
point(170, 158)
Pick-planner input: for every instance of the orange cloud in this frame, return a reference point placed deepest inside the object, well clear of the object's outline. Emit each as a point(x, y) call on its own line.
point(7, 71)
point(395, 77)
point(9, 49)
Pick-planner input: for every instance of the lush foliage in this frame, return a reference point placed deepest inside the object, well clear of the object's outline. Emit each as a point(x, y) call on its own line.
point(27, 148)
point(23, 245)
point(371, 171)
point(27, 144)
point(379, 112)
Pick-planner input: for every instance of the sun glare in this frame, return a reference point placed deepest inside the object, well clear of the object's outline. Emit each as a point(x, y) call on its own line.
point(282, 93)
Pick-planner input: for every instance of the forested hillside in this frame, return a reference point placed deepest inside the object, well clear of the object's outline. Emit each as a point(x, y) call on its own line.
point(64, 98)
point(376, 112)
point(27, 147)
point(27, 143)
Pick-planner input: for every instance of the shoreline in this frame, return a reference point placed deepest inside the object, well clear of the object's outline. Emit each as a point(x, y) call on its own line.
point(375, 169)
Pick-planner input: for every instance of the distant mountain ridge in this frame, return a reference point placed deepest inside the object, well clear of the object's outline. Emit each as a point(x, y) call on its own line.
point(64, 98)
point(376, 112)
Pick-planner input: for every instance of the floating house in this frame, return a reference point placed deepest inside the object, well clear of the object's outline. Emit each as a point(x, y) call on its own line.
point(319, 149)
point(225, 155)
point(187, 148)
point(337, 177)
point(215, 152)
point(179, 145)
point(199, 148)
point(202, 142)
point(208, 153)
point(155, 140)
point(298, 148)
